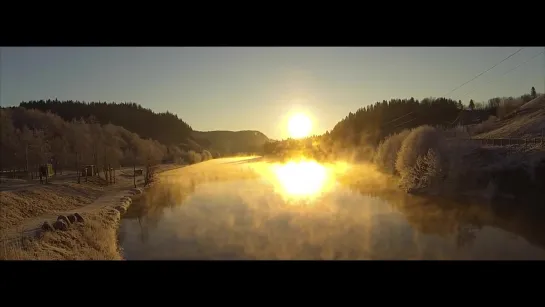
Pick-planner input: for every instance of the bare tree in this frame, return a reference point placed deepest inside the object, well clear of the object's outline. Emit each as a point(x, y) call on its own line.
point(112, 152)
point(151, 154)
point(9, 142)
point(79, 138)
point(60, 150)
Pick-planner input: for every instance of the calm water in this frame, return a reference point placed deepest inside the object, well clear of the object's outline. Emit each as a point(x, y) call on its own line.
point(302, 212)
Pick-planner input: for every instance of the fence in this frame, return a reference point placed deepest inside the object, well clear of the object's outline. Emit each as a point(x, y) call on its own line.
point(509, 141)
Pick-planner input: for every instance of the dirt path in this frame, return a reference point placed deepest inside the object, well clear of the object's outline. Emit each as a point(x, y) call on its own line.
point(111, 197)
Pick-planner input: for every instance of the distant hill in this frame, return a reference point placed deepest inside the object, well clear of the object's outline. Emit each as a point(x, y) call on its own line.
point(164, 127)
point(231, 142)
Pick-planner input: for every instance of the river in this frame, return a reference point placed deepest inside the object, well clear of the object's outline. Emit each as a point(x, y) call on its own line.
point(250, 209)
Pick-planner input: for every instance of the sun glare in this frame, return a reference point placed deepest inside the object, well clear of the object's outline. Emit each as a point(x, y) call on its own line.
point(305, 178)
point(299, 126)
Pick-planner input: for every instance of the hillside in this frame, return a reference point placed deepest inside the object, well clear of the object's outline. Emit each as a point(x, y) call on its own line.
point(370, 124)
point(29, 138)
point(231, 142)
point(165, 127)
point(527, 121)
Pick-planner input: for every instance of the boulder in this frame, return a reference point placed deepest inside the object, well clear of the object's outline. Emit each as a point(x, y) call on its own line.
point(60, 225)
point(72, 218)
point(47, 227)
point(121, 209)
point(79, 218)
point(64, 218)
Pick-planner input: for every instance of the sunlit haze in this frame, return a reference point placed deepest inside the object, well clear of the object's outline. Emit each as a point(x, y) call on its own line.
point(254, 88)
point(269, 153)
point(304, 178)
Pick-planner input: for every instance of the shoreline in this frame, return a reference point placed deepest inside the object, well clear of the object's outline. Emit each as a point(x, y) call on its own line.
point(97, 237)
point(89, 231)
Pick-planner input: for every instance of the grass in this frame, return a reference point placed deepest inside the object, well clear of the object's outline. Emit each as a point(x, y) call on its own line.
point(95, 239)
point(22, 204)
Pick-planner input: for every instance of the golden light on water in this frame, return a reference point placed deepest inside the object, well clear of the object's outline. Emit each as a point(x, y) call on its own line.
point(301, 178)
point(304, 178)
point(299, 126)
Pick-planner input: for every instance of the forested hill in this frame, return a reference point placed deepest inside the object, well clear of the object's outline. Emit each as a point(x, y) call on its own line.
point(165, 127)
point(373, 122)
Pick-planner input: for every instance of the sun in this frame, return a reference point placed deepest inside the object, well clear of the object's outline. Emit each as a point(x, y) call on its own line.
point(299, 126)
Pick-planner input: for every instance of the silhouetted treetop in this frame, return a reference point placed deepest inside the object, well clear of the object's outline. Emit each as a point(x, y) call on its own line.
point(373, 122)
point(165, 127)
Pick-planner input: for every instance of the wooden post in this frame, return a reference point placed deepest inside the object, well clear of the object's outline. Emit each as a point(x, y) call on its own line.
point(26, 158)
point(78, 171)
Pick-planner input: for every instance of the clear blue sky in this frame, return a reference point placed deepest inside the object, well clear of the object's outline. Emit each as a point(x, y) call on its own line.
point(254, 88)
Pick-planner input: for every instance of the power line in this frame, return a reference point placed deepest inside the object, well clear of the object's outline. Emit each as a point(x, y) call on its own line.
point(482, 73)
point(395, 119)
point(513, 68)
point(410, 120)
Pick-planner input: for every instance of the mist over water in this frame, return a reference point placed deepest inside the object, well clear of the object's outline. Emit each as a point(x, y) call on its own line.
point(300, 210)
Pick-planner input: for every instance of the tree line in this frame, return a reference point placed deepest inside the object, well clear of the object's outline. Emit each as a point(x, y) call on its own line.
point(30, 138)
point(164, 127)
point(372, 123)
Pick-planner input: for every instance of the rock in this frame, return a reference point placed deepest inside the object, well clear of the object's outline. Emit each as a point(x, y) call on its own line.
point(72, 218)
point(64, 218)
point(121, 209)
point(135, 191)
point(39, 233)
point(79, 218)
point(115, 213)
point(60, 225)
point(47, 227)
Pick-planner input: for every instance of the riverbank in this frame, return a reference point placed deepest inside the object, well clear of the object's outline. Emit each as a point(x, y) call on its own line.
point(92, 236)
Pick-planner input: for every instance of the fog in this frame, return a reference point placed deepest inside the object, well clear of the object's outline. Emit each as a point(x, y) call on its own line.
point(248, 208)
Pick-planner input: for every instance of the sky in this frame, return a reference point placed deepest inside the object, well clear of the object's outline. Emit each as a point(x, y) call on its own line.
point(257, 88)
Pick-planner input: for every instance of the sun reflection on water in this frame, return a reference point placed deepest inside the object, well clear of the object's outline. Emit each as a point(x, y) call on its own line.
point(302, 179)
